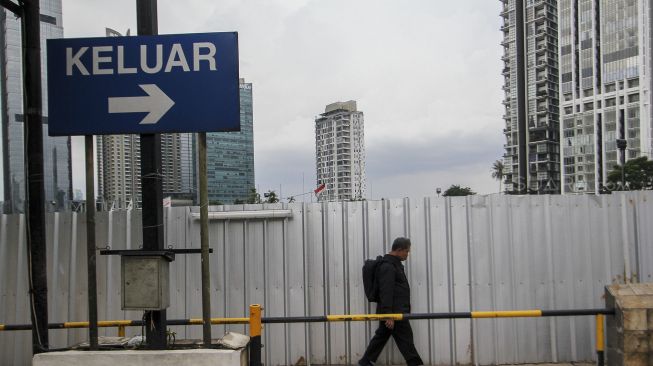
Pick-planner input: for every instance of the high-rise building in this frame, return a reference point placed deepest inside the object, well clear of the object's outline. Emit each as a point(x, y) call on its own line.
point(119, 168)
point(188, 174)
point(56, 150)
point(230, 156)
point(340, 152)
point(606, 87)
point(532, 113)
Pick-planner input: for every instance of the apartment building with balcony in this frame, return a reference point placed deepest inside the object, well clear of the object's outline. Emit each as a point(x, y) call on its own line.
point(606, 87)
point(340, 152)
point(531, 86)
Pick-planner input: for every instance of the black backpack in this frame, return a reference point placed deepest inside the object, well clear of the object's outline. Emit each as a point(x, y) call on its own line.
point(369, 278)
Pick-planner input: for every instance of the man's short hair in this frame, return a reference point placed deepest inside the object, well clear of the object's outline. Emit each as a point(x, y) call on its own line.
point(400, 244)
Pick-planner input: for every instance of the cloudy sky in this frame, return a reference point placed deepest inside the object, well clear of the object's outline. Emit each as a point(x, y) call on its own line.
point(426, 73)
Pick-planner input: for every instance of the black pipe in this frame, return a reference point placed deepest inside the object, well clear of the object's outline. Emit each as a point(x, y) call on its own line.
point(33, 150)
point(152, 186)
point(12, 7)
point(295, 319)
point(578, 312)
point(463, 315)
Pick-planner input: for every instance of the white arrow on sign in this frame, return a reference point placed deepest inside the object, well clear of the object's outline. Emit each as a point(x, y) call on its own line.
point(157, 103)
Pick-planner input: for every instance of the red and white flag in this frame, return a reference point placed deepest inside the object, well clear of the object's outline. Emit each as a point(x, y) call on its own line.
point(319, 189)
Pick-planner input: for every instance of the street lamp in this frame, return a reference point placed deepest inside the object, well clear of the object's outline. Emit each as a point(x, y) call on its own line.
point(438, 191)
point(621, 145)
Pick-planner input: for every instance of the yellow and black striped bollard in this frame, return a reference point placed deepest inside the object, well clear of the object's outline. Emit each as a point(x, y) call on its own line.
point(255, 335)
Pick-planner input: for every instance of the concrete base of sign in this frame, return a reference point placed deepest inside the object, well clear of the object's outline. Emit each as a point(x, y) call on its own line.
point(196, 357)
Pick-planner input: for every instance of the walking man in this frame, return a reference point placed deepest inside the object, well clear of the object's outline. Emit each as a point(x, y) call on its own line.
point(394, 297)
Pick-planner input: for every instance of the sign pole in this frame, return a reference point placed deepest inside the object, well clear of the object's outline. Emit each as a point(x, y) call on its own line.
point(151, 182)
point(90, 244)
point(33, 127)
point(204, 241)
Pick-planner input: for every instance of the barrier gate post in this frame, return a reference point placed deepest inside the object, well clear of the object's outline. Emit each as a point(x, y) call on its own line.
point(255, 335)
point(599, 339)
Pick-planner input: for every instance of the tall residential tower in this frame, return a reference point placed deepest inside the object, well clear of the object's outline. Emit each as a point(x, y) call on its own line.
point(532, 112)
point(119, 168)
point(340, 152)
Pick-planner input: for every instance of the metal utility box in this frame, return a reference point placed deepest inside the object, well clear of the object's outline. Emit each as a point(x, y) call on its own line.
point(145, 282)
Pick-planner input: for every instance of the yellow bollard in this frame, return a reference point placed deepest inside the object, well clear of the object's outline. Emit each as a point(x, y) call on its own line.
point(600, 341)
point(255, 335)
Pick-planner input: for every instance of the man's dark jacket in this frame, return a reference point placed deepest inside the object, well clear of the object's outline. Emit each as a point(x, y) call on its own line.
point(394, 291)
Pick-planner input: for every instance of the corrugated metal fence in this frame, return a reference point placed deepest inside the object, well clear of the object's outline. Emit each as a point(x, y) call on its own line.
point(469, 253)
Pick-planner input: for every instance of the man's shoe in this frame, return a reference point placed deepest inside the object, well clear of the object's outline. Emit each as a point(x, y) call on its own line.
point(365, 363)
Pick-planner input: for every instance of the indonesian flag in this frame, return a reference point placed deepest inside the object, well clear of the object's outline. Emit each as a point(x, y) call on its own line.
point(319, 189)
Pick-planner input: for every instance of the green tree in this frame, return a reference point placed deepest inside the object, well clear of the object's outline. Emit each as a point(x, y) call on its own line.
point(253, 197)
point(638, 174)
point(270, 197)
point(215, 203)
point(498, 172)
point(457, 190)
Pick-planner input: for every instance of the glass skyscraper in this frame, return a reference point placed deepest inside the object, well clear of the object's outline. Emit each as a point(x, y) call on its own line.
point(56, 150)
point(606, 50)
point(230, 156)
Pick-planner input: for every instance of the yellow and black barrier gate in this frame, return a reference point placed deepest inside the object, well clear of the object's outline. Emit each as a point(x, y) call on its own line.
point(256, 321)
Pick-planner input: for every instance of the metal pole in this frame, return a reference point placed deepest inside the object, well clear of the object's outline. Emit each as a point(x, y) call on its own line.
point(621, 145)
point(623, 169)
point(151, 182)
point(600, 343)
point(204, 241)
point(255, 335)
point(90, 244)
point(33, 130)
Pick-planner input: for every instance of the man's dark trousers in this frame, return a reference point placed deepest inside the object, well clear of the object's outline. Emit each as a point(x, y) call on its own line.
point(403, 335)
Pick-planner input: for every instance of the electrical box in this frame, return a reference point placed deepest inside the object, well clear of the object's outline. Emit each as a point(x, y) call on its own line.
point(145, 282)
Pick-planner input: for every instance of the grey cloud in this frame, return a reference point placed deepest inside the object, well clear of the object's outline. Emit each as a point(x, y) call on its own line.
point(404, 157)
point(425, 72)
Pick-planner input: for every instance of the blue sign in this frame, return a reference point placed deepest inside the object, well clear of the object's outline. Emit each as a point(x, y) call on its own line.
point(144, 84)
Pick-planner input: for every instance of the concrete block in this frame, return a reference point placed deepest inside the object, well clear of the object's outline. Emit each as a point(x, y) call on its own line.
point(615, 337)
point(195, 357)
point(635, 319)
point(636, 341)
point(610, 301)
point(621, 290)
point(614, 357)
point(636, 359)
point(636, 302)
